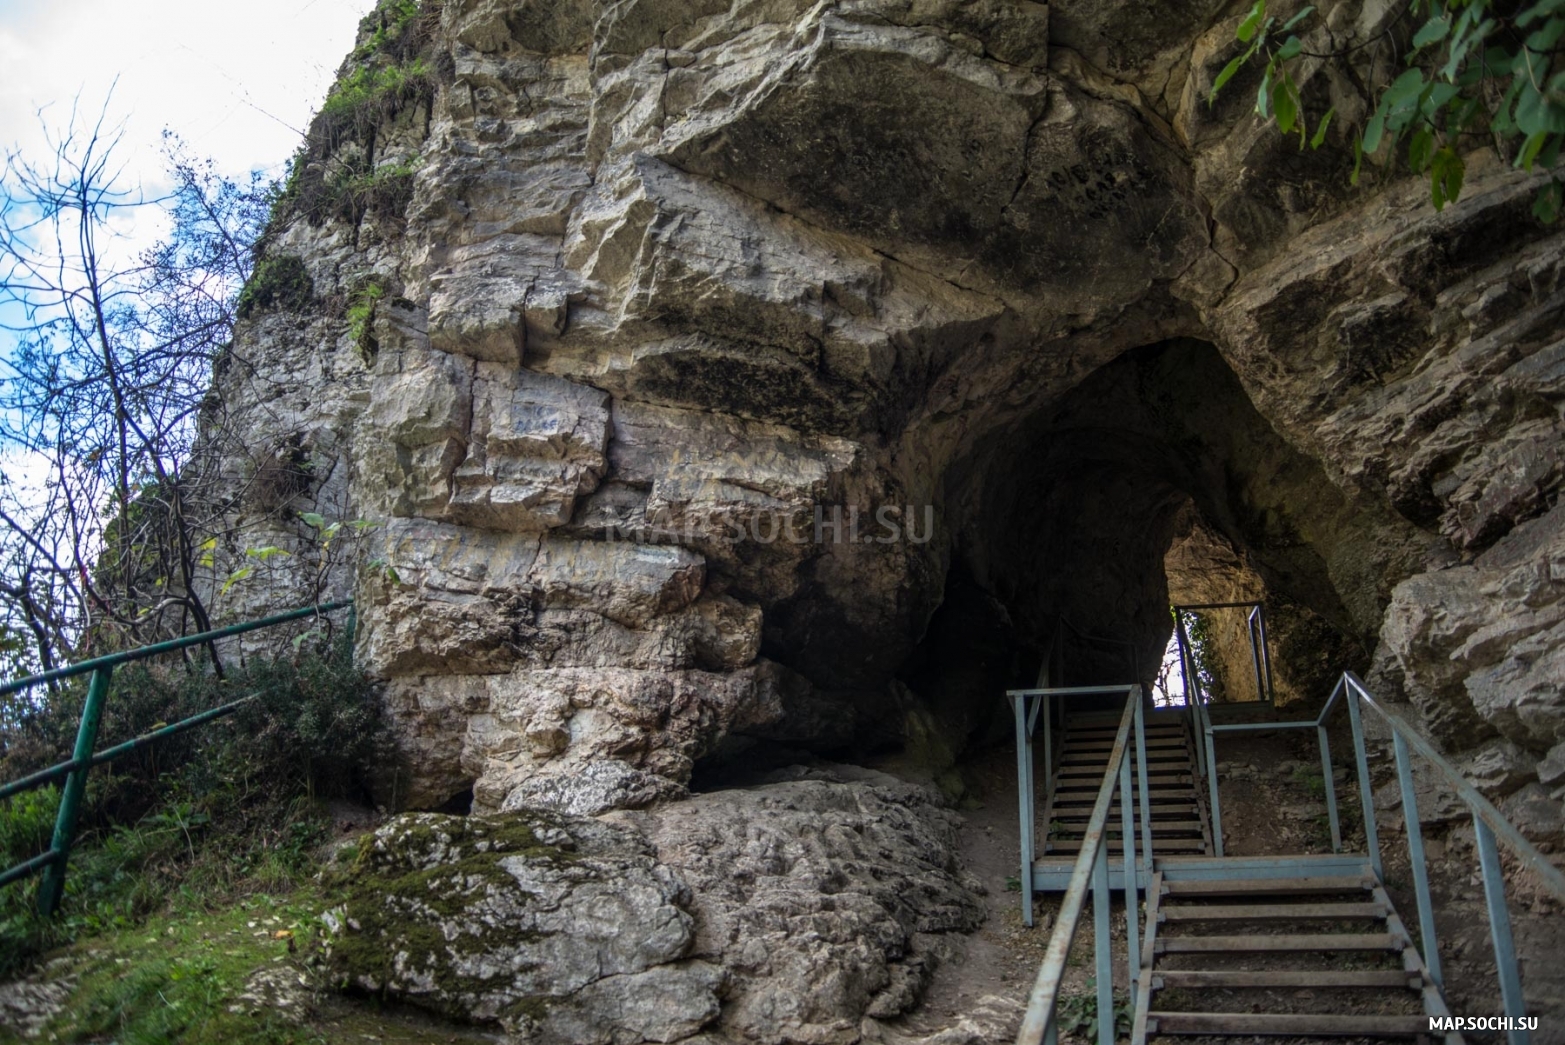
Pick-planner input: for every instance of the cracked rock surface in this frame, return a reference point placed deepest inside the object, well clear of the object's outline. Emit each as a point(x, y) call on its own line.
point(747, 378)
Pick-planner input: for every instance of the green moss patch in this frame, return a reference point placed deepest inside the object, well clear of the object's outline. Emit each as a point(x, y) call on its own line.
point(280, 282)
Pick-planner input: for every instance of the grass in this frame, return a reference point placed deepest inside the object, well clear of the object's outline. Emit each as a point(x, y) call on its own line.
point(182, 975)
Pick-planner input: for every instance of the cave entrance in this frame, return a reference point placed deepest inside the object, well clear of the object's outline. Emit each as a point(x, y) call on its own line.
point(1152, 483)
point(1202, 633)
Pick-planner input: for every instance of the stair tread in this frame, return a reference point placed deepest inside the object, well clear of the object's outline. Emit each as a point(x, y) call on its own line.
point(1073, 845)
point(1234, 886)
point(1294, 942)
point(1290, 1024)
point(1268, 912)
point(1157, 825)
point(1285, 978)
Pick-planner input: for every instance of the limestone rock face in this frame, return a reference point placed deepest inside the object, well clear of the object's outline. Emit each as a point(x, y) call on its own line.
point(1481, 645)
point(820, 895)
point(521, 922)
point(719, 345)
point(780, 913)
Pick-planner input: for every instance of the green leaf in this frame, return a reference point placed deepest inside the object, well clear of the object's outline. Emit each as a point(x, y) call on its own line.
point(1403, 89)
point(314, 519)
point(1227, 74)
point(1252, 22)
point(266, 554)
point(1290, 49)
point(1530, 149)
point(1545, 38)
point(1433, 31)
point(1546, 207)
point(1283, 100)
point(1304, 12)
point(1421, 149)
point(1319, 137)
point(1263, 94)
point(1445, 177)
point(235, 577)
point(1374, 130)
point(1537, 112)
point(1538, 10)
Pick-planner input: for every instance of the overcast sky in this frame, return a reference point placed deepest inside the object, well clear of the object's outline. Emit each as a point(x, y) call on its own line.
point(237, 80)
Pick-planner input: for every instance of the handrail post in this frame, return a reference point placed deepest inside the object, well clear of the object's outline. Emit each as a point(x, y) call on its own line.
point(1127, 820)
point(1266, 655)
point(1331, 789)
point(1024, 801)
point(1415, 856)
point(1141, 788)
point(1211, 781)
point(1366, 796)
point(1500, 928)
point(1192, 689)
point(1100, 940)
point(51, 890)
point(1253, 627)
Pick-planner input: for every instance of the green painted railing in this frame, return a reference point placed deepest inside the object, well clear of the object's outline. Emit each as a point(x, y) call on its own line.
point(53, 861)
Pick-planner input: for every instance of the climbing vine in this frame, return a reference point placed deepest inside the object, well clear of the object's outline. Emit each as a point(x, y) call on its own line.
point(1476, 71)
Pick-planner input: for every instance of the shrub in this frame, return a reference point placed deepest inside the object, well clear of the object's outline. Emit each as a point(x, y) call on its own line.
point(199, 812)
point(276, 282)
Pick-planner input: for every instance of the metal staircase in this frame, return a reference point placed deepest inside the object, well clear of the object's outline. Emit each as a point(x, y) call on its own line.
point(1249, 956)
point(1178, 813)
point(1301, 946)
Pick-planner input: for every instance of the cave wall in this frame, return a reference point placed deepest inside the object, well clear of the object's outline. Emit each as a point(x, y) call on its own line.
point(677, 278)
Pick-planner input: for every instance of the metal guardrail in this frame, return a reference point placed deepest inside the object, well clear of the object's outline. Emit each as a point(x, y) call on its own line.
point(1260, 644)
point(1488, 825)
point(54, 860)
point(1092, 863)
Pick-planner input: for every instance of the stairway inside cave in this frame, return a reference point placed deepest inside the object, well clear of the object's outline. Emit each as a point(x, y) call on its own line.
point(1303, 946)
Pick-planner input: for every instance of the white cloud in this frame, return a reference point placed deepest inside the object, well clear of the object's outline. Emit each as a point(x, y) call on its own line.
point(237, 80)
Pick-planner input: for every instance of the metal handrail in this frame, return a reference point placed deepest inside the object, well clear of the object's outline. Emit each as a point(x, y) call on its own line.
point(53, 861)
point(1488, 824)
point(1038, 1024)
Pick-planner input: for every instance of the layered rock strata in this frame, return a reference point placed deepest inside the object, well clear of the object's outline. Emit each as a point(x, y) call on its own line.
point(730, 379)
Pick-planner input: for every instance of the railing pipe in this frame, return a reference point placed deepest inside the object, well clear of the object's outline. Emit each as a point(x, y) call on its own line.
point(114, 660)
point(1329, 776)
point(1024, 802)
point(1553, 879)
point(1038, 1020)
point(109, 754)
point(1127, 821)
point(1366, 794)
point(1415, 856)
point(1102, 947)
point(52, 889)
point(1211, 781)
point(1141, 788)
point(53, 863)
point(1500, 929)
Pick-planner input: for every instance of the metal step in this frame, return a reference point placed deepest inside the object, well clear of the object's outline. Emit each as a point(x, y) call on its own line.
point(1289, 1024)
point(1237, 886)
point(1154, 758)
point(1270, 912)
point(1083, 810)
point(1285, 978)
point(1157, 825)
point(1087, 798)
point(1074, 746)
point(1253, 944)
point(1176, 845)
